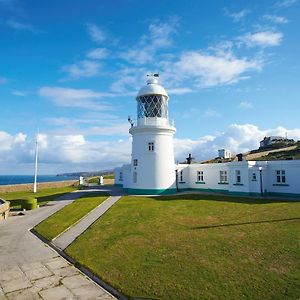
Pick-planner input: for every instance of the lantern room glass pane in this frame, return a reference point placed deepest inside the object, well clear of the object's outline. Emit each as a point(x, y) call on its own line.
point(151, 106)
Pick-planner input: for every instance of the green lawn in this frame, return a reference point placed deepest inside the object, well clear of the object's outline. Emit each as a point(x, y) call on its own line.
point(69, 215)
point(43, 196)
point(196, 247)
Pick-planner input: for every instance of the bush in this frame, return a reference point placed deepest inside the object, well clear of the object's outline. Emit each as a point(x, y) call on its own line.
point(29, 203)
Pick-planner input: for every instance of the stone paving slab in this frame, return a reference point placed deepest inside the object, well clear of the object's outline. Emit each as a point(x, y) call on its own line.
point(51, 279)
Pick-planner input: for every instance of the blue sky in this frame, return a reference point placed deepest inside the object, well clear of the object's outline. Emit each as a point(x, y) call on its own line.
point(73, 68)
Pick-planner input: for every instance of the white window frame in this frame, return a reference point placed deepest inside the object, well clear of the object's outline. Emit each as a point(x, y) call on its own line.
point(254, 177)
point(223, 176)
point(151, 146)
point(135, 162)
point(200, 176)
point(181, 176)
point(238, 176)
point(121, 176)
point(280, 176)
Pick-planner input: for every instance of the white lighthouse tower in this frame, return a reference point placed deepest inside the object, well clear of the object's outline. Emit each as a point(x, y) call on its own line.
point(152, 169)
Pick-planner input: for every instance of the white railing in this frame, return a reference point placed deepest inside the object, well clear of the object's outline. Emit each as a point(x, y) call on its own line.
point(155, 121)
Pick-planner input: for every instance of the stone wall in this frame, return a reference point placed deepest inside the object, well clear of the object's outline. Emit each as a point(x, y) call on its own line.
point(4, 210)
point(42, 185)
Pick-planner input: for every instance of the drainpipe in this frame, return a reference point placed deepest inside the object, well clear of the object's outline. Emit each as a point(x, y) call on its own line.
point(177, 189)
point(261, 181)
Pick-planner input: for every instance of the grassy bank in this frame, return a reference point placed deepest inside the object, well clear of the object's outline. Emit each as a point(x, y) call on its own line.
point(43, 196)
point(196, 247)
point(69, 215)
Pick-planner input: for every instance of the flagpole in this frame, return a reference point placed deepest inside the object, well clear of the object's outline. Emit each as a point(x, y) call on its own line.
point(36, 163)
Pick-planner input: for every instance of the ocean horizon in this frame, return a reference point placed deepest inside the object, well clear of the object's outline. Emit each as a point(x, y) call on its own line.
point(21, 179)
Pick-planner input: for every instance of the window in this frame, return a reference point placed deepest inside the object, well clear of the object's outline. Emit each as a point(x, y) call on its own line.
point(181, 176)
point(200, 176)
point(151, 146)
point(280, 176)
point(134, 177)
point(135, 162)
point(121, 176)
point(238, 176)
point(254, 177)
point(223, 176)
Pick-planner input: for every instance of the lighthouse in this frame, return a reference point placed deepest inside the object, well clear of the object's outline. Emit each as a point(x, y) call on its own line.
point(152, 169)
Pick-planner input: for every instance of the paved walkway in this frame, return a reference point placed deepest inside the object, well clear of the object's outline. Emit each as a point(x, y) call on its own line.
point(25, 261)
point(65, 239)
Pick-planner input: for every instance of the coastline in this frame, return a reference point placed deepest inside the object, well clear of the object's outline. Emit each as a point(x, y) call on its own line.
point(23, 187)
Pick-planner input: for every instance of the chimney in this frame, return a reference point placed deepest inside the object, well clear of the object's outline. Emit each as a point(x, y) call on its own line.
point(240, 157)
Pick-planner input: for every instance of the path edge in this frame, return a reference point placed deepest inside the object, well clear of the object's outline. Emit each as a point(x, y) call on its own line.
point(114, 292)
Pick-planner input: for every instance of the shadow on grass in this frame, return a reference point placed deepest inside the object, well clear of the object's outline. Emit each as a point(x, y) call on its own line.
point(246, 223)
point(223, 198)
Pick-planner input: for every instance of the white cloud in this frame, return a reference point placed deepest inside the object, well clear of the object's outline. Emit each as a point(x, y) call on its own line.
point(245, 105)
point(73, 152)
point(208, 70)
point(96, 33)
point(237, 16)
point(98, 53)
point(237, 138)
point(262, 38)
point(68, 97)
point(22, 26)
point(159, 37)
point(276, 19)
point(179, 91)
point(19, 93)
point(212, 113)
point(285, 3)
point(84, 68)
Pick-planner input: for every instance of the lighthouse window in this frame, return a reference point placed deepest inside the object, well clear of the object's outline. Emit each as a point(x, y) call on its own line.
point(151, 146)
point(135, 162)
point(200, 176)
point(134, 177)
point(121, 176)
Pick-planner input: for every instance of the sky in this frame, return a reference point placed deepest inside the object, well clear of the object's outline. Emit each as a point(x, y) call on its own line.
point(70, 70)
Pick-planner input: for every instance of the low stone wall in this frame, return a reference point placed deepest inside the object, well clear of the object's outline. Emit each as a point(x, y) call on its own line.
point(109, 181)
point(43, 185)
point(4, 209)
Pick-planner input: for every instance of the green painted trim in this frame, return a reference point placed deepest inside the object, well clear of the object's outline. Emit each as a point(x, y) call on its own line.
point(283, 195)
point(118, 184)
point(222, 182)
point(151, 191)
point(281, 184)
point(200, 182)
point(181, 182)
point(209, 190)
point(238, 184)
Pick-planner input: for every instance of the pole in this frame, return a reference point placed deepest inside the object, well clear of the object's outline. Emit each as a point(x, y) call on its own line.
point(260, 179)
point(36, 164)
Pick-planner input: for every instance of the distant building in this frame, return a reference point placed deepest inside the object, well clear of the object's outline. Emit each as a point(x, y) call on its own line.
point(271, 140)
point(223, 153)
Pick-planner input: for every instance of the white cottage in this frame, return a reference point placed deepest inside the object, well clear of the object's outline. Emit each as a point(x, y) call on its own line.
point(153, 171)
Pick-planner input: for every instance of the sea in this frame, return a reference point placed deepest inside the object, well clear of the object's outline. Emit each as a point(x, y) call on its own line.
point(18, 179)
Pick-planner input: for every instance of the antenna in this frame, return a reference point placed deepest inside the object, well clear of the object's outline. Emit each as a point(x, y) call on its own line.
point(36, 163)
point(130, 120)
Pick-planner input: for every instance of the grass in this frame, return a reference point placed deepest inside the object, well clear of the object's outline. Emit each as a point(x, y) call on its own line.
point(93, 180)
point(43, 196)
point(69, 215)
point(196, 247)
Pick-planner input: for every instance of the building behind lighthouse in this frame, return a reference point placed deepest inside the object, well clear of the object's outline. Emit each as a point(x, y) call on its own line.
point(152, 170)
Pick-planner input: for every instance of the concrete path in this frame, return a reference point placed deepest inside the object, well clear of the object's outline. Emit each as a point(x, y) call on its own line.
point(25, 261)
point(65, 239)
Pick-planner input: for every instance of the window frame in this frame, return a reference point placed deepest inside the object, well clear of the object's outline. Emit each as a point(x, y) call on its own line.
point(223, 176)
point(151, 147)
point(200, 176)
